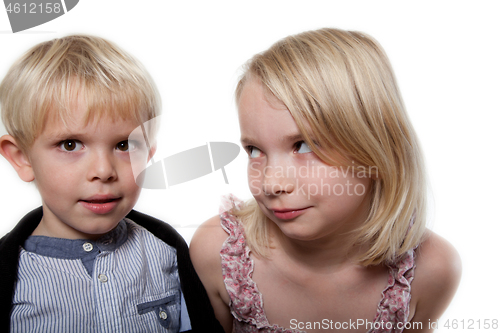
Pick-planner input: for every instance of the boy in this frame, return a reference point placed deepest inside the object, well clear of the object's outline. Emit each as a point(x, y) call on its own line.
point(85, 261)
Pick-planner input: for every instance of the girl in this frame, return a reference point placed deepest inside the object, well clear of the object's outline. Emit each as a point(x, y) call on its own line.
point(335, 236)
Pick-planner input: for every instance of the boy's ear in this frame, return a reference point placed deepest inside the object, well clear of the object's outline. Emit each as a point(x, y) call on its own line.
point(16, 157)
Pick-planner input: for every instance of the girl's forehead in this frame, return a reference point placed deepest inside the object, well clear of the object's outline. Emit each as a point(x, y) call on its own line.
point(253, 89)
point(256, 102)
point(264, 118)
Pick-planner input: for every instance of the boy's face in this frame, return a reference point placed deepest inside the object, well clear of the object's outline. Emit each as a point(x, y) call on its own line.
point(84, 175)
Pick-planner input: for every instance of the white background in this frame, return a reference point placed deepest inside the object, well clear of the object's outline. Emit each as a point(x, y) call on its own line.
point(446, 58)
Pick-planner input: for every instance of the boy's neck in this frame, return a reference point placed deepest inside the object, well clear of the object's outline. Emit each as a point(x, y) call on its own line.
point(44, 229)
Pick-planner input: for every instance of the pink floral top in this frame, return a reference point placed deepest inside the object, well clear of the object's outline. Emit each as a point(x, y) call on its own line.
point(246, 301)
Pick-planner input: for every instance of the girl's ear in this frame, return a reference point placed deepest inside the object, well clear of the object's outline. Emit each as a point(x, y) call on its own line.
point(16, 157)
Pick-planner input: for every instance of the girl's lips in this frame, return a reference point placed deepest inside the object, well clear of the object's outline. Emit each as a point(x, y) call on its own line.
point(100, 205)
point(288, 214)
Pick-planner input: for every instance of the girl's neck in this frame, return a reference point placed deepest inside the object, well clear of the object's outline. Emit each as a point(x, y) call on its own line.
point(332, 252)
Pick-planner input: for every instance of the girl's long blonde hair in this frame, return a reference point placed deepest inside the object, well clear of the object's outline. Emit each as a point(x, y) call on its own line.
point(340, 89)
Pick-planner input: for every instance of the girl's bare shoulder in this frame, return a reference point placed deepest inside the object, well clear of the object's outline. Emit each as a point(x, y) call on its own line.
point(205, 254)
point(437, 275)
point(206, 244)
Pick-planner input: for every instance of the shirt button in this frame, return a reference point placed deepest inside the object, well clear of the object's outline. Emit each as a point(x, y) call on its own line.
point(163, 315)
point(87, 247)
point(103, 278)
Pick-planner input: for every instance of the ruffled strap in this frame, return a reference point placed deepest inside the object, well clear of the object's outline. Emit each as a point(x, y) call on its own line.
point(237, 267)
point(246, 302)
point(394, 307)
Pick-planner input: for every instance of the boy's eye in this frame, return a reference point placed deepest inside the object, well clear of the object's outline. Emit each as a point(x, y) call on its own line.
point(303, 147)
point(124, 145)
point(253, 152)
point(71, 145)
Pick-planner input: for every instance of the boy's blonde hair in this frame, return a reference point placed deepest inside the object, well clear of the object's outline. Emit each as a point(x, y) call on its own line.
point(341, 91)
point(50, 79)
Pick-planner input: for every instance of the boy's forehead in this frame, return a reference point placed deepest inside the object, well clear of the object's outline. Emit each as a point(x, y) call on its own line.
point(81, 109)
point(78, 113)
point(79, 121)
point(73, 111)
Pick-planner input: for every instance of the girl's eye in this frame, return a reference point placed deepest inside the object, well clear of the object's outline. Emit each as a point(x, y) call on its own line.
point(254, 152)
point(303, 148)
point(124, 146)
point(71, 145)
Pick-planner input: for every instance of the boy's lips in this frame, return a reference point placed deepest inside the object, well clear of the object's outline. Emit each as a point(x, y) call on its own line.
point(100, 204)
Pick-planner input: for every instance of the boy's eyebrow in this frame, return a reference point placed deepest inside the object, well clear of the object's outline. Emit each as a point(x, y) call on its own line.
point(69, 134)
point(66, 134)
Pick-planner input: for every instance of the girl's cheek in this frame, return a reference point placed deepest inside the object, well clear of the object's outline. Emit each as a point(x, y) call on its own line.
point(255, 170)
point(255, 187)
point(255, 178)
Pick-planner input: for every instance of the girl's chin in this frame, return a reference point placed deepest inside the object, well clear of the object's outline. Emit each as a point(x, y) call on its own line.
point(296, 234)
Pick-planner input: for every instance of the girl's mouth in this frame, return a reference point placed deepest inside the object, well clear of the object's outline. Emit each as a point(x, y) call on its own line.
point(289, 214)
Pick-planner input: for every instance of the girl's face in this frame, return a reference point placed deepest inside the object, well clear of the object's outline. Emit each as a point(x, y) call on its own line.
point(306, 198)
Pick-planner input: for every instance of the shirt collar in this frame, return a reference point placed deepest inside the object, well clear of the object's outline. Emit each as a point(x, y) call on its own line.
point(77, 248)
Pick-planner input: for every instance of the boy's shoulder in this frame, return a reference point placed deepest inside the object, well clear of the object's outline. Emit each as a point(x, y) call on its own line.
point(22, 230)
point(158, 228)
point(9, 252)
point(192, 288)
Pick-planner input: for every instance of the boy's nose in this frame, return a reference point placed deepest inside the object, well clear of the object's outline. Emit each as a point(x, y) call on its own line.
point(102, 168)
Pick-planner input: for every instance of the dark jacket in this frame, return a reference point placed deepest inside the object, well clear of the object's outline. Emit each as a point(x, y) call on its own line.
point(200, 311)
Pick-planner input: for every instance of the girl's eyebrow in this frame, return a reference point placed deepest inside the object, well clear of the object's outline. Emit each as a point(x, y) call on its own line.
point(246, 141)
point(293, 138)
point(286, 138)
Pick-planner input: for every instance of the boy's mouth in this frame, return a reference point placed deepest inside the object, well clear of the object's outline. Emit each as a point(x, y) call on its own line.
point(100, 199)
point(100, 204)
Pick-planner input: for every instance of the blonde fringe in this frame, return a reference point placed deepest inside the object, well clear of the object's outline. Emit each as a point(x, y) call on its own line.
point(52, 77)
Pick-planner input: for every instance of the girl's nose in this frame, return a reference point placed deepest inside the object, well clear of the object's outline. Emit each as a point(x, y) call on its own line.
point(277, 180)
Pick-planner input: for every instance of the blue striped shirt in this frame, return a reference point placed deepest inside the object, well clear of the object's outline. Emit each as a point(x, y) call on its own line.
point(127, 281)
